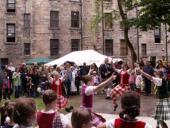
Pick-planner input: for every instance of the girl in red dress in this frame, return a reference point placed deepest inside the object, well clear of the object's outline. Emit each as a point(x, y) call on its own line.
point(122, 87)
point(56, 85)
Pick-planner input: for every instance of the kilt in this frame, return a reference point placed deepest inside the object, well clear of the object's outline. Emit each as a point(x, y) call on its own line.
point(119, 90)
point(57, 123)
point(61, 102)
point(162, 109)
point(97, 119)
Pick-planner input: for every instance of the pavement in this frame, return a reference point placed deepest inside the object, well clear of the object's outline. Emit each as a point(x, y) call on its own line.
point(149, 120)
point(105, 107)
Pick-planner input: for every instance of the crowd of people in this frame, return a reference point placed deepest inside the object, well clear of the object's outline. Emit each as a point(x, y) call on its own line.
point(56, 84)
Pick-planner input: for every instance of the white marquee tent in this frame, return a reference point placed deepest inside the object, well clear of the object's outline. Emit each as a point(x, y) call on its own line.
point(79, 57)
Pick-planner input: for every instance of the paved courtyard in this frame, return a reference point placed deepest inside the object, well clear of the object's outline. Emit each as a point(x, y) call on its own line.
point(101, 105)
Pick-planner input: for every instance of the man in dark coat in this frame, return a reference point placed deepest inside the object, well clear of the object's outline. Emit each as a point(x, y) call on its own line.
point(149, 70)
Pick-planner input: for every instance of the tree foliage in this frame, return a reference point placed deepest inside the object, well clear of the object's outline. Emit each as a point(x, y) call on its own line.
point(152, 13)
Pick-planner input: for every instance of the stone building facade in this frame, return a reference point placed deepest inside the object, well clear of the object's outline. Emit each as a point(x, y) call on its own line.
point(53, 28)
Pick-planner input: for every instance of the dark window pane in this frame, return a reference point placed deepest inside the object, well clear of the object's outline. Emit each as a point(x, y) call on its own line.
point(54, 47)
point(123, 48)
point(74, 19)
point(108, 20)
point(27, 20)
point(54, 19)
point(157, 35)
point(27, 48)
point(10, 32)
point(75, 44)
point(109, 47)
point(144, 50)
point(11, 5)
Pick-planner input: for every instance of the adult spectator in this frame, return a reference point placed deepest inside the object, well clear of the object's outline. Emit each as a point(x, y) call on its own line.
point(35, 80)
point(17, 82)
point(130, 103)
point(6, 86)
point(93, 68)
point(84, 70)
point(168, 76)
point(23, 72)
point(149, 70)
point(68, 79)
point(105, 69)
point(1, 82)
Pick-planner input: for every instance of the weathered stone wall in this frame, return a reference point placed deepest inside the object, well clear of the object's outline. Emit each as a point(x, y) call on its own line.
point(41, 33)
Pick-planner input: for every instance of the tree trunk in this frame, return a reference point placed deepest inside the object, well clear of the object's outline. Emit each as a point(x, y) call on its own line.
point(126, 32)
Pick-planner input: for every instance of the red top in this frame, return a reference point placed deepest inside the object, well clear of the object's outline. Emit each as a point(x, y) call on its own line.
point(45, 120)
point(57, 86)
point(135, 124)
point(124, 78)
point(87, 101)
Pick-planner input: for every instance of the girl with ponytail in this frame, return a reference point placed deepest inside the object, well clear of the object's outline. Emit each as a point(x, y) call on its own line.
point(130, 104)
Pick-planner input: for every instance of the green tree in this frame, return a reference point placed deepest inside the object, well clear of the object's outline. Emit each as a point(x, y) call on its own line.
point(124, 6)
point(152, 14)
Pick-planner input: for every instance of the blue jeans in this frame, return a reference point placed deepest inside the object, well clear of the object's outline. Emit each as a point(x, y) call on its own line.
point(17, 91)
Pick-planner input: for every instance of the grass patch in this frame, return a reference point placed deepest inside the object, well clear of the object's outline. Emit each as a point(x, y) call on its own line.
point(74, 101)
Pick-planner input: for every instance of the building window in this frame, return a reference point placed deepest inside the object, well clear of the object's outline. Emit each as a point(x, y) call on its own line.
point(4, 62)
point(75, 44)
point(27, 48)
point(108, 22)
point(27, 20)
point(157, 35)
point(143, 50)
point(10, 32)
point(54, 19)
point(123, 48)
point(54, 47)
point(75, 19)
point(109, 47)
point(11, 5)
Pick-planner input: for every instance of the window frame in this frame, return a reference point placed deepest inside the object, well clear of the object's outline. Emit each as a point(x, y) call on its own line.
point(124, 47)
point(109, 47)
point(157, 35)
point(108, 21)
point(27, 21)
point(10, 8)
point(144, 54)
point(10, 36)
point(27, 50)
point(54, 22)
point(75, 21)
point(54, 51)
point(75, 47)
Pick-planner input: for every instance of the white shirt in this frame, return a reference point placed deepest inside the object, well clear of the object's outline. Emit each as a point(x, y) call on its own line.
point(90, 90)
point(157, 81)
point(138, 81)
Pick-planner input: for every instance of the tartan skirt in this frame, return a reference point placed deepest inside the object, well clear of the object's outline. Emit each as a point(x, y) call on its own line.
point(119, 90)
point(97, 119)
point(61, 102)
point(162, 109)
